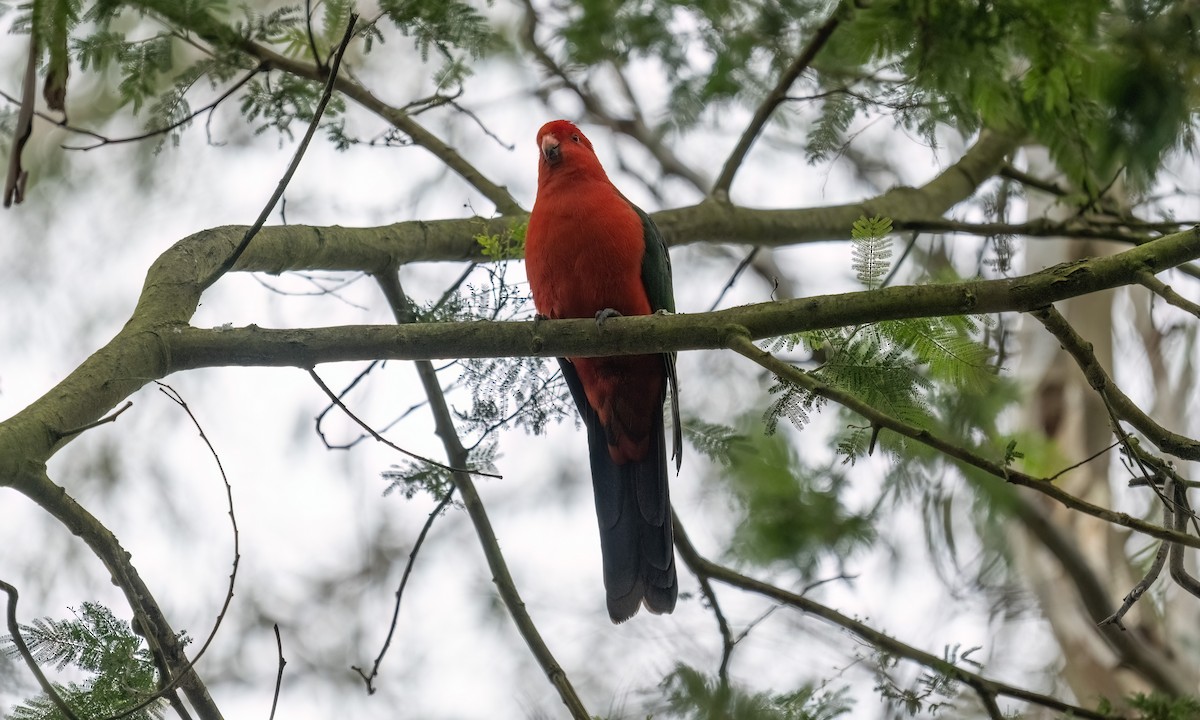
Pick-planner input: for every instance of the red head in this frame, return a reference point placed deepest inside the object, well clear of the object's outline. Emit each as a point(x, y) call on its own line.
point(566, 151)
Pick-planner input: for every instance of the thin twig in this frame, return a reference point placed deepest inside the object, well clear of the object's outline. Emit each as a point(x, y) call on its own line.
point(278, 673)
point(169, 684)
point(1081, 463)
point(375, 434)
point(1160, 558)
point(111, 417)
point(14, 631)
point(733, 278)
point(728, 642)
point(312, 41)
point(102, 141)
point(1179, 571)
point(773, 100)
point(1046, 186)
point(1163, 290)
point(296, 158)
point(412, 559)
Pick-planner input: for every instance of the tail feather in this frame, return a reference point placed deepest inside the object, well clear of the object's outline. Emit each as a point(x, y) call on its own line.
point(633, 510)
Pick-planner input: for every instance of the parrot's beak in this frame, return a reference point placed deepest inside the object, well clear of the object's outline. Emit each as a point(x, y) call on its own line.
point(551, 150)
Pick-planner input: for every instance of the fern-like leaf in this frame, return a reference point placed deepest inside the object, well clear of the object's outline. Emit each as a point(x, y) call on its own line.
point(872, 249)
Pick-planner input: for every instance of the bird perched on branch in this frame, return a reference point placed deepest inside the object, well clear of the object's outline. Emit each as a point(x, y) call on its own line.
point(589, 252)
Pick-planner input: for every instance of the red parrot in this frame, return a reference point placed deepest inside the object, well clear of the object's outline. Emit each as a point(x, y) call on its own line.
point(589, 252)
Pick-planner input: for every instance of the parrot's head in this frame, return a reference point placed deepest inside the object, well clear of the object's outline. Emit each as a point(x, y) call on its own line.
point(565, 150)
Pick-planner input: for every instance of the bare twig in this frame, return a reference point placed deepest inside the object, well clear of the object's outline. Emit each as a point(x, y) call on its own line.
point(170, 683)
point(412, 559)
point(773, 100)
point(111, 417)
point(1081, 463)
point(1178, 567)
point(1046, 186)
point(375, 434)
point(299, 154)
point(312, 45)
point(1166, 292)
point(102, 141)
point(278, 673)
point(733, 278)
point(728, 642)
point(14, 631)
point(1160, 558)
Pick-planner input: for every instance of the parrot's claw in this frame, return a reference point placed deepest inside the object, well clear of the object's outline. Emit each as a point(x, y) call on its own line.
point(663, 311)
point(605, 314)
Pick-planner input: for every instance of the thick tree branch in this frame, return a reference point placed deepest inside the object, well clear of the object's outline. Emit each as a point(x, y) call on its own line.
point(192, 347)
point(1125, 409)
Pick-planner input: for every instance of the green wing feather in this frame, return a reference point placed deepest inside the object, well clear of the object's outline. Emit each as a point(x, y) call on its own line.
point(656, 277)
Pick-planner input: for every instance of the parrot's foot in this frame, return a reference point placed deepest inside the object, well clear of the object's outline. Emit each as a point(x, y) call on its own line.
point(663, 311)
point(605, 314)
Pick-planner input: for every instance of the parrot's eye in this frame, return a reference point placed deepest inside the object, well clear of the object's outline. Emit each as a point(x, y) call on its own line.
point(575, 137)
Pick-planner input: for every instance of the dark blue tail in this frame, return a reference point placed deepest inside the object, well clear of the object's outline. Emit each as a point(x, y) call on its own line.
point(633, 508)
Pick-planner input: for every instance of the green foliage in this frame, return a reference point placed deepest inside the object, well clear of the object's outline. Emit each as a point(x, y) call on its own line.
point(452, 28)
point(894, 366)
point(415, 476)
point(1157, 706)
point(791, 512)
point(508, 245)
point(1103, 84)
point(933, 691)
point(872, 249)
point(692, 694)
point(278, 101)
point(716, 442)
point(120, 666)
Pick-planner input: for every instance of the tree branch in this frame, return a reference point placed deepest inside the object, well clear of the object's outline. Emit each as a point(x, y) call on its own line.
point(456, 454)
point(743, 346)
point(878, 639)
point(774, 99)
point(193, 347)
point(1081, 350)
point(14, 632)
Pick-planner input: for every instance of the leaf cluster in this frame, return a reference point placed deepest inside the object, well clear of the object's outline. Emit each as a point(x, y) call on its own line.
point(1103, 84)
point(693, 694)
point(792, 511)
point(933, 691)
point(120, 668)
